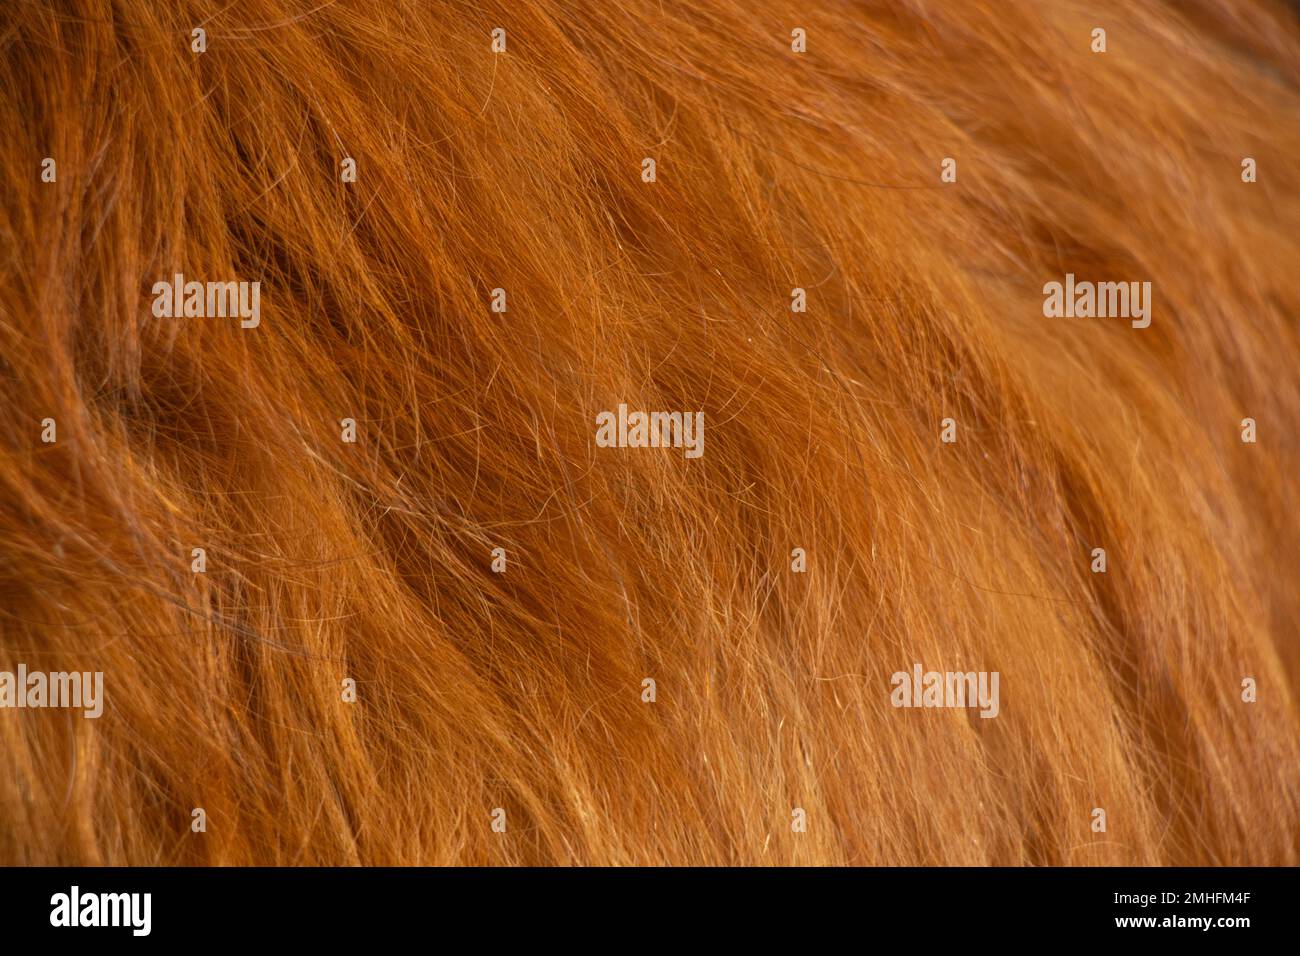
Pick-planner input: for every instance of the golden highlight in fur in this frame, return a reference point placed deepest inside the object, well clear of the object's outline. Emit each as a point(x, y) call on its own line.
point(364, 587)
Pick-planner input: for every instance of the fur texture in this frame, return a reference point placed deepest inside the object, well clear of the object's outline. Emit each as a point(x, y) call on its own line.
point(522, 690)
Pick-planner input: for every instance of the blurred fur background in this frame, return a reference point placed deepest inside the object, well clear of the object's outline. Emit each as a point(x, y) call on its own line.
point(522, 690)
